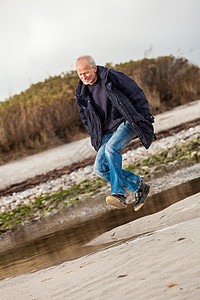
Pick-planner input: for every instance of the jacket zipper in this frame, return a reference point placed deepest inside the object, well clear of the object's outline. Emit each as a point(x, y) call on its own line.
point(132, 124)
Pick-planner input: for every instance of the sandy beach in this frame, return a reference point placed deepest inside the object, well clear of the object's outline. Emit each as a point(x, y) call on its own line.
point(154, 257)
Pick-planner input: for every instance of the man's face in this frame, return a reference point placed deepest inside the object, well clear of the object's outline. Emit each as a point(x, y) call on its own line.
point(86, 74)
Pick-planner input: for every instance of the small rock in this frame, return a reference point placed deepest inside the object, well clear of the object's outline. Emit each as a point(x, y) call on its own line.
point(170, 153)
point(3, 209)
point(145, 168)
point(18, 203)
point(13, 206)
point(194, 153)
point(27, 202)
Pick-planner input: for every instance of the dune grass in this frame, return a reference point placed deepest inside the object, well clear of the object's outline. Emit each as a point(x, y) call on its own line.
point(46, 114)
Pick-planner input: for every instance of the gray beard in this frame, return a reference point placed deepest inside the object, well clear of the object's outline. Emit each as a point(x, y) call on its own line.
point(87, 83)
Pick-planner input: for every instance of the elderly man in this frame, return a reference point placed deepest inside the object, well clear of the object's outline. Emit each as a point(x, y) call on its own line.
point(114, 111)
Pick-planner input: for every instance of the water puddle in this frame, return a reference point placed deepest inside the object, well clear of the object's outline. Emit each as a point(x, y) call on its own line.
point(69, 244)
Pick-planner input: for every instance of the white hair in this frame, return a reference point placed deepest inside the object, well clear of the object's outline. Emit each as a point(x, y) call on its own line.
point(89, 58)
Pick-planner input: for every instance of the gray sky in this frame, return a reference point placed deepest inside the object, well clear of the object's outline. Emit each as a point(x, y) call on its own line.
point(43, 38)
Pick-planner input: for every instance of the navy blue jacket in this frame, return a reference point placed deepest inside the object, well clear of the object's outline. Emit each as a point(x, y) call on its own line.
point(127, 98)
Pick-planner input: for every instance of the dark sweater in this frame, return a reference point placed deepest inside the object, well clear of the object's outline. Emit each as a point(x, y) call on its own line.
point(103, 107)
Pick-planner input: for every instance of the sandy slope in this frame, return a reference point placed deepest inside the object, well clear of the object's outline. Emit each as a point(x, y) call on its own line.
point(164, 264)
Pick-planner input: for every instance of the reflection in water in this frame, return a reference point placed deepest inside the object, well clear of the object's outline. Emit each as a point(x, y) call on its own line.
point(68, 244)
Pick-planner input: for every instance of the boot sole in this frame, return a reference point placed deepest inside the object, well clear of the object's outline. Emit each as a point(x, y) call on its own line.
point(115, 202)
point(142, 203)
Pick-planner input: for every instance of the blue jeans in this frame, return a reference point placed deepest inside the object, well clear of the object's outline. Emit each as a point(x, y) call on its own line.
point(108, 163)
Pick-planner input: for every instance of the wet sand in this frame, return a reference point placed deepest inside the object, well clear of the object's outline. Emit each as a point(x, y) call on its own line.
point(163, 262)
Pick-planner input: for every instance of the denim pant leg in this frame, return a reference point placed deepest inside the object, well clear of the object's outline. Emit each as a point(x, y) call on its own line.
point(101, 168)
point(108, 163)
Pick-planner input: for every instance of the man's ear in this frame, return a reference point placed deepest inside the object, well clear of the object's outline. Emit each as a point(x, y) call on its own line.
point(95, 69)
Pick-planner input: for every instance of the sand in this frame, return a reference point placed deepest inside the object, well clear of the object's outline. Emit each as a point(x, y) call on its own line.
point(162, 262)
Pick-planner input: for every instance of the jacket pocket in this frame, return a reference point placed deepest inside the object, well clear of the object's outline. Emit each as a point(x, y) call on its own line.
point(146, 127)
point(116, 114)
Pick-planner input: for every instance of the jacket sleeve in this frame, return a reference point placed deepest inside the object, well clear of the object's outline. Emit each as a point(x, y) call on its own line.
point(133, 92)
point(82, 114)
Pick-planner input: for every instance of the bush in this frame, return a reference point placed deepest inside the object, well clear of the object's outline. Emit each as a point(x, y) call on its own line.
point(47, 114)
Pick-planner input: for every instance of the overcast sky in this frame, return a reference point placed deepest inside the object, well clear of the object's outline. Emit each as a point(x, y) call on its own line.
point(42, 38)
